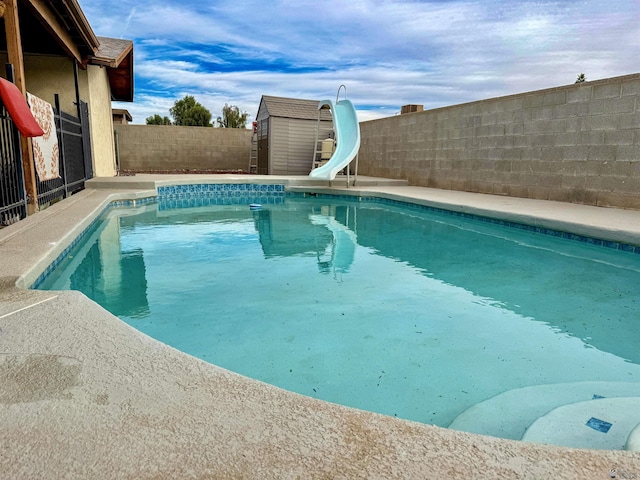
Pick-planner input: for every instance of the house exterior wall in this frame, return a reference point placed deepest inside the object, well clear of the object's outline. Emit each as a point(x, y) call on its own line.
point(577, 143)
point(47, 75)
point(291, 144)
point(172, 148)
point(101, 121)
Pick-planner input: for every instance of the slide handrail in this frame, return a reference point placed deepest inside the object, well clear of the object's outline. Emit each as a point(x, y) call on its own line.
point(345, 92)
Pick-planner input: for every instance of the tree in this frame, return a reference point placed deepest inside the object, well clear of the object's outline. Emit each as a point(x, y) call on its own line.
point(581, 78)
point(232, 118)
point(158, 120)
point(188, 112)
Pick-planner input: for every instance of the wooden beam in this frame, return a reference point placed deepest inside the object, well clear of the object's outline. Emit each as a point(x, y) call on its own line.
point(14, 43)
point(15, 57)
point(59, 32)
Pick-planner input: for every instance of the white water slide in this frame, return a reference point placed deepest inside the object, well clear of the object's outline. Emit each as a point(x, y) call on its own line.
point(347, 129)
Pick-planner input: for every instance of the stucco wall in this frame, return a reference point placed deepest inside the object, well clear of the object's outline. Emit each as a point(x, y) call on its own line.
point(101, 121)
point(47, 75)
point(577, 143)
point(170, 148)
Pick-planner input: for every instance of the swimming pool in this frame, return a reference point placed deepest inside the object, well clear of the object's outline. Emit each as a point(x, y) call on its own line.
point(403, 311)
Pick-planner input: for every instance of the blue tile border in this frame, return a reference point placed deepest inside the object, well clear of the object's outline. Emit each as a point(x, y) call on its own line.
point(137, 202)
point(626, 247)
point(66, 251)
point(182, 192)
point(208, 194)
point(191, 202)
point(183, 196)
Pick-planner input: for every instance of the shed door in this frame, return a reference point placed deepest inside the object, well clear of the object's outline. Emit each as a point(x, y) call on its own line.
point(263, 147)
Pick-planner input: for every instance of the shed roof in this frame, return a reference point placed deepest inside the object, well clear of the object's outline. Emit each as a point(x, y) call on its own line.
point(293, 108)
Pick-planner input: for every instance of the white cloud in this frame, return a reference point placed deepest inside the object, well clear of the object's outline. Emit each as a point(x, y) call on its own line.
point(388, 52)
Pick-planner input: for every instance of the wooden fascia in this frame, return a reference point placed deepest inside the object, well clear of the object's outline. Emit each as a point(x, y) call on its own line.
point(112, 62)
point(82, 24)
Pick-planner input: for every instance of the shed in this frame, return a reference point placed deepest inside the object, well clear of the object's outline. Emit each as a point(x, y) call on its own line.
point(286, 131)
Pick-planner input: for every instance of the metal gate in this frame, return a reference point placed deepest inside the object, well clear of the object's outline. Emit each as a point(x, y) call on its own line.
point(74, 145)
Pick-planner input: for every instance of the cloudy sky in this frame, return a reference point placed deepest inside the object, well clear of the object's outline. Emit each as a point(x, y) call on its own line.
point(387, 52)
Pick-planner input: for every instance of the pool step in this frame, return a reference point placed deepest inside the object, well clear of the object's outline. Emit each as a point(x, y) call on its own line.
point(510, 414)
point(633, 440)
point(604, 423)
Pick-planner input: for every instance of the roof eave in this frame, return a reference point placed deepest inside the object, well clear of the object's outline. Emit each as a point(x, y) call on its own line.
point(62, 16)
point(111, 62)
point(82, 24)
point(117, 56)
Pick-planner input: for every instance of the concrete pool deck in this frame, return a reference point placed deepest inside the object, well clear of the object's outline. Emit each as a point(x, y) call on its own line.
point(83, 395)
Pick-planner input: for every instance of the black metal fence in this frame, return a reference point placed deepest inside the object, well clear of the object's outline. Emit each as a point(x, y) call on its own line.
point(75, 164)
point(13, 200)
point(74, 145)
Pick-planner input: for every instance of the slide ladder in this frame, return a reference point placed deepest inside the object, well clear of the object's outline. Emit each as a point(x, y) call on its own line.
point(253, 151)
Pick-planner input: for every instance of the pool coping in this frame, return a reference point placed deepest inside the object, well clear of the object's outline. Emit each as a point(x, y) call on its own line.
point(91, 397)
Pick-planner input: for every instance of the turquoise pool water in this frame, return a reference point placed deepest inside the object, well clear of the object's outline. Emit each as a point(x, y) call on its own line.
point(409, 313)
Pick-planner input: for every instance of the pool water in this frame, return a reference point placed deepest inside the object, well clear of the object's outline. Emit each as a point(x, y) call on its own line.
point(401, 311)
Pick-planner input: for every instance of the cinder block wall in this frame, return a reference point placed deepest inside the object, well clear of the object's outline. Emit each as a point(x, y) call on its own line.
point(577, 143)
point(170, 148)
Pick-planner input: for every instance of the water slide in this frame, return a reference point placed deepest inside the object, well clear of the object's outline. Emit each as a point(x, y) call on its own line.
point(347, 129)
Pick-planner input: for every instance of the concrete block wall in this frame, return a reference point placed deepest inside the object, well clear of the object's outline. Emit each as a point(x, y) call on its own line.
point(577, 143)
point(171, 148)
